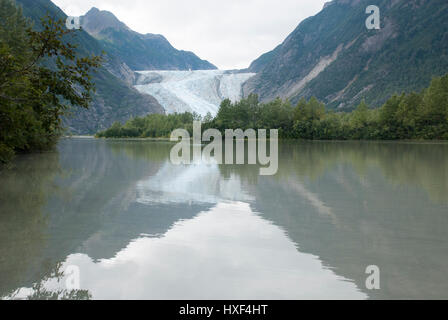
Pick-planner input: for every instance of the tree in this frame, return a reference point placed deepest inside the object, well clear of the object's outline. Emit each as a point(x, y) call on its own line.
point(433, 111)
point(359, 121)
point(388, 117)
point(407, 115)
point(40, 77)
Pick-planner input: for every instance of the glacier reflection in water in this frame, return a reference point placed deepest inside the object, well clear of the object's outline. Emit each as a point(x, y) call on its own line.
point(198, 183)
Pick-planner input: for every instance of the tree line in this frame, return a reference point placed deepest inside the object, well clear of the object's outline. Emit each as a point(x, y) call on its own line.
point(417, 115)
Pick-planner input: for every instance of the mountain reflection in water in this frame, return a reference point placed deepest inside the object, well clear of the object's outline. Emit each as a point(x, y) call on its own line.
point(140, 228)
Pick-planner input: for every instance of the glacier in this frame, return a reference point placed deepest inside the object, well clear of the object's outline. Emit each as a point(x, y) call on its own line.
point(199, 91)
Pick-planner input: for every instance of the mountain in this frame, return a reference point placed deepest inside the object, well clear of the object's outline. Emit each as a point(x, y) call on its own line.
point(138, 51)
point(115, 99)
point(334, 57)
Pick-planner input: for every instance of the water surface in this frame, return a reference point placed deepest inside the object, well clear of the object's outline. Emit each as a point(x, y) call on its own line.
point(138, 227)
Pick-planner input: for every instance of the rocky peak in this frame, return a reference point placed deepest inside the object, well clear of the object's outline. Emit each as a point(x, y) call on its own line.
point(95, 21)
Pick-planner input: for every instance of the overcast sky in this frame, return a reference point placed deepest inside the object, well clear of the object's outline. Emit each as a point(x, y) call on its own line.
point(228, 33)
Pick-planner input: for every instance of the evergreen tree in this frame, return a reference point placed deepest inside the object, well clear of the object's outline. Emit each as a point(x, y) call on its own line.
point(388, 117)
point(433, 110)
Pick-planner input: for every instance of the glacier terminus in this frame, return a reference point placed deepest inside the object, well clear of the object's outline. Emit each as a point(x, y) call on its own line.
point(200, 91)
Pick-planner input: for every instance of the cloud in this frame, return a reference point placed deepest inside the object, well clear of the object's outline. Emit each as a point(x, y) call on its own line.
point(230, 34)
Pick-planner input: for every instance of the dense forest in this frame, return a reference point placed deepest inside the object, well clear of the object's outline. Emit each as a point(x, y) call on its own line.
point(41, 76)
point(422, 115)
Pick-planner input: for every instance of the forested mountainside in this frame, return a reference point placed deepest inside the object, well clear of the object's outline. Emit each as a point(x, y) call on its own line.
point(334, 57)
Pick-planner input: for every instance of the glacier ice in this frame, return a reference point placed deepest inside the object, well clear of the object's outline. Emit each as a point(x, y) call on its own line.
point(193, 91)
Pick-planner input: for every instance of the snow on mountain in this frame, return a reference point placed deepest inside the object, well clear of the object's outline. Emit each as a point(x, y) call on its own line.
point(193, 91)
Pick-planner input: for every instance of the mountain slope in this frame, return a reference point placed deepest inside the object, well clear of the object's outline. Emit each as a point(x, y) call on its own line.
point(139, 52)
point(334, 57)
point(115, 99)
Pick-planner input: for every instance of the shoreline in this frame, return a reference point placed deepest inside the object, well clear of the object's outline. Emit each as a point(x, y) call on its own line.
point(121, 139)
point(283, 140)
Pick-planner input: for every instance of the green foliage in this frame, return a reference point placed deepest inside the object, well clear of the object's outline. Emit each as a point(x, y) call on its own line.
point(414, 116)
point(40, 78)
point(151, 126)
point(433, 110)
